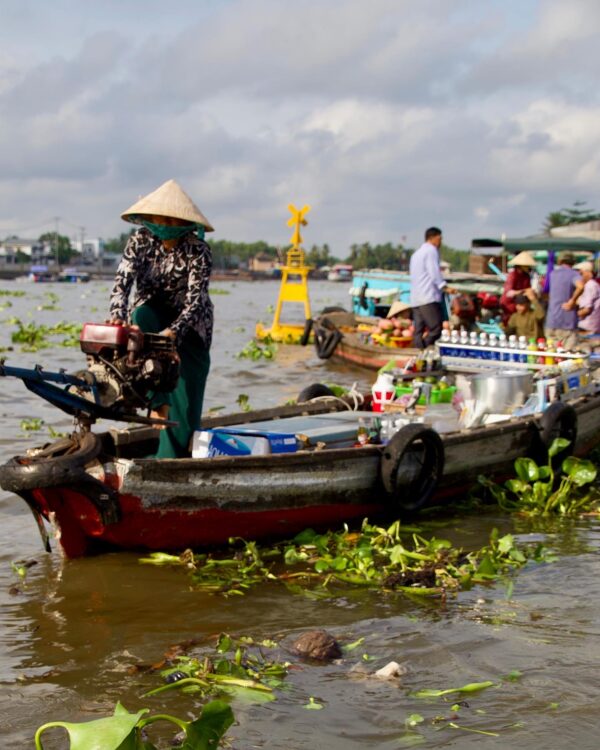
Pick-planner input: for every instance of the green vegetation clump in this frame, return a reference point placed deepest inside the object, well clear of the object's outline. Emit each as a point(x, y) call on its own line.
point(393, 559)
point(246, 672)
point(265, 349)
point(537, 491)
point(34, 337)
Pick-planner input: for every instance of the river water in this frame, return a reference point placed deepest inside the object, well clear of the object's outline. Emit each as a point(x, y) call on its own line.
point(73, 632)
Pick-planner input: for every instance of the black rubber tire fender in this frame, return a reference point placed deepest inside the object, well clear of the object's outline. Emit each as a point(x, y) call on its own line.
point(48, 470)
point(308, 326)
point(326, 339)
point(559, 420)
point(315, 390)
point(332, 309)
point(412, 496)
point(362, 296)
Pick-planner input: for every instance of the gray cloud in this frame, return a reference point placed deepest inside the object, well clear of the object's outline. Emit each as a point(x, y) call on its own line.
point(386, 116)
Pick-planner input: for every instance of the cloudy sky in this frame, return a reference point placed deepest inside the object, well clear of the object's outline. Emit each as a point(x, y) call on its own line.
point(386, 116)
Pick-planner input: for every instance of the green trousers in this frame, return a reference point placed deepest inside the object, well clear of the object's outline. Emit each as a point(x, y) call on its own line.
point(185, 401)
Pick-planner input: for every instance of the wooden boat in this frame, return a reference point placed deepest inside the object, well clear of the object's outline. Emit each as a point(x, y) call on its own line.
point(338, 334)
point(99, 492)
point(73, 276)
point(340, 272)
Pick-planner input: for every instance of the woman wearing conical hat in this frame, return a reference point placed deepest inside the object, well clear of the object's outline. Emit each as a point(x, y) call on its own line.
point(517, 281)
point(168, 263)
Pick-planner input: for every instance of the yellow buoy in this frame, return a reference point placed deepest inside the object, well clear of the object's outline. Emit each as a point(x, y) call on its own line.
point(294, 285)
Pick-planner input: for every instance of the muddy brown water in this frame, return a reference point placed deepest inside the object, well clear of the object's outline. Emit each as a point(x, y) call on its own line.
point(73, 634)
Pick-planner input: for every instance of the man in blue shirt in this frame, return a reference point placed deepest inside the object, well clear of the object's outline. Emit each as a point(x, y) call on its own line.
point(426, 288)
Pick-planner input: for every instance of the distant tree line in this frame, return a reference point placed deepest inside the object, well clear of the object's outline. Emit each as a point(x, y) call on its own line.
point(577, 214)
point(229, 255)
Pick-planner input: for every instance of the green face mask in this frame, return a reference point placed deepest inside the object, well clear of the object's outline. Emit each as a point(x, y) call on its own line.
point(164, 232)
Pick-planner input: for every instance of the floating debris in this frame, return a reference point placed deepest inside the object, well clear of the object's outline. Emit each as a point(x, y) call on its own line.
point(317, 644)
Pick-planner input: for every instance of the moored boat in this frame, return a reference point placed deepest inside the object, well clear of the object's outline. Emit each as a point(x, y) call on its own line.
point(340, 272)
point(73, 276)
point(101, 493)
point(345, 336)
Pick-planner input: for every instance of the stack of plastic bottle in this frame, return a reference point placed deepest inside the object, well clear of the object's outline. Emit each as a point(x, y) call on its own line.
point(499, 347)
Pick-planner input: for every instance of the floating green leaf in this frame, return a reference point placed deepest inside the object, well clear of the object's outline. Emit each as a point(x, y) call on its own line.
point(101, 734)
point(472, 687)
point(313, 705)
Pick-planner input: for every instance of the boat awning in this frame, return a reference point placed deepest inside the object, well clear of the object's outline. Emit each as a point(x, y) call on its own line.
point(533, 244)
point(356, 291)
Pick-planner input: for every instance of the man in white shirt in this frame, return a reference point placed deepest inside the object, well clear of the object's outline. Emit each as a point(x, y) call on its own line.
point(426, 288)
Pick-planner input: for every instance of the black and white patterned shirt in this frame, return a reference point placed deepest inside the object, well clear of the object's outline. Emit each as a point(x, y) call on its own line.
point(178, 278)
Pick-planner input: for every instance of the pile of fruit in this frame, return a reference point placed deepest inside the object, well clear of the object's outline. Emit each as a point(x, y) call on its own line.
point(392, 332)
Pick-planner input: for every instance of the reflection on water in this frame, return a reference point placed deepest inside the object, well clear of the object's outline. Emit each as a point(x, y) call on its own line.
point(75, 634)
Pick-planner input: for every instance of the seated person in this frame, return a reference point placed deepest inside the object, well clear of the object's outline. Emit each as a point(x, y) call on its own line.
point(397, 322)
point(528, 320)
point(464, 311)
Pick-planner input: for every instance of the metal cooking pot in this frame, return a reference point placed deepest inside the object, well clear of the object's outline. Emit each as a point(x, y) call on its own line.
point(500, 393)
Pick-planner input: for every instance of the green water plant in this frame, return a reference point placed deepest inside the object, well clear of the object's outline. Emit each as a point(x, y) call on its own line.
point(32, 425)
point(254, 350)
point(243, 401)
point(389, 559)
point(52, 298)
point(238, 666)
point(129, 731)
point(472, 687)
point(31, 336)
point(537, 490)
point(11, 293)
point(34, 337)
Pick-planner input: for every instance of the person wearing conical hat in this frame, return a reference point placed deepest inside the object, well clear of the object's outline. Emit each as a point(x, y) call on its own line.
point(517, 282)
point(166, 264)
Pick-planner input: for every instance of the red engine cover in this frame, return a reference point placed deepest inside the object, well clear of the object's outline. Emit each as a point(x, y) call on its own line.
point(97, 336)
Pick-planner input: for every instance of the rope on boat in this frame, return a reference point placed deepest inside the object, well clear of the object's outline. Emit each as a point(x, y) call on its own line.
point(354, 394)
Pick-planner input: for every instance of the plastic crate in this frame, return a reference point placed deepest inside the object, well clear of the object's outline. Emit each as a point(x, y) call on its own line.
point(438, 395)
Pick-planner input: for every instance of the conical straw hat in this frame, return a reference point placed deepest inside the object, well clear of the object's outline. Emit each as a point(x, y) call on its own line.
point(168, 200)
point(523, 259)
point(397, 308)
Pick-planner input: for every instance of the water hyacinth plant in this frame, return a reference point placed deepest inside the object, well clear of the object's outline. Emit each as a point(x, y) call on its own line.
point(33, 337)
point(392, 559)
point(238, 667)
point(129, 731)
point(536, 490)
point(265, 349)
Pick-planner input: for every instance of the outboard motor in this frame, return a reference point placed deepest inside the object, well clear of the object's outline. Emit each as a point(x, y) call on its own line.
point(125, 363)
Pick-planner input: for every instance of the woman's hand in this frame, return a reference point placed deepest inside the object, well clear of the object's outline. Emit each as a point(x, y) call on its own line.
point(161, 413)
point(168, 333)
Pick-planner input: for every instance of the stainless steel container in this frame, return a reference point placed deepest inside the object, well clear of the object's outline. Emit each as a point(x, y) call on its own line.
point(500, 393)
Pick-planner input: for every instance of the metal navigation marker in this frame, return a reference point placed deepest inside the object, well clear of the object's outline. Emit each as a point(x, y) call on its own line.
point(294, 284)
point(297, 220)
